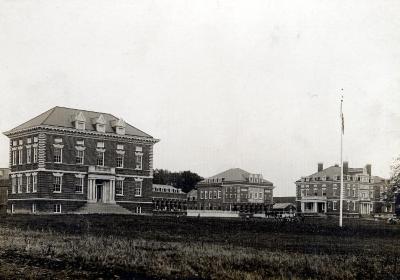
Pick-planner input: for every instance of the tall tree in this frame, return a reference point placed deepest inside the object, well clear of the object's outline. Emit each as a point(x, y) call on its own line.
point(185, 180)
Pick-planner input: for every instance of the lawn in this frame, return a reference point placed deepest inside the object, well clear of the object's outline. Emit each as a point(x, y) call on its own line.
point(143, 247)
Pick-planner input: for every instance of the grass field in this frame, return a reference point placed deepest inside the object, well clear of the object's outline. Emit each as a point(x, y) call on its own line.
point(139, 247)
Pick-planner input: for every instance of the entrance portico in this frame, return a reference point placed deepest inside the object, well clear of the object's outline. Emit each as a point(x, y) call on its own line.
point(313, 204)
point(101, 190)
point(101, 187)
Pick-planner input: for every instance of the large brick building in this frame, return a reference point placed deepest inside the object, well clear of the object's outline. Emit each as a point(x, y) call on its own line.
point(235, 190)
point(319, 193)
point(68, 160)
point(4, 183)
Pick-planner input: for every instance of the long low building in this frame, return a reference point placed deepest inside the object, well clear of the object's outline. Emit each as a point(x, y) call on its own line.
point(168, 200)
point(235, 190)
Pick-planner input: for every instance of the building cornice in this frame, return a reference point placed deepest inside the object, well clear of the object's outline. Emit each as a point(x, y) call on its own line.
point(81, 132)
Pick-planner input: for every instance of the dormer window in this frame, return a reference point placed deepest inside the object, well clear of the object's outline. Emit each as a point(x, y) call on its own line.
point(119, 126)
point(80, 121)
point(100, 124)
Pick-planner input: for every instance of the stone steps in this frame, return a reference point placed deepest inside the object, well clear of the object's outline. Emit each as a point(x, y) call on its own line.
point(102, 208)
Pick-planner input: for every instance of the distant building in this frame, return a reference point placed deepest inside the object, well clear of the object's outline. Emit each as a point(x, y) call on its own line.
point(168, 200)
point(235, 190)
point(283, 208)
point(75, 161)
point(320, 192)
point(4, 183)
point(192, 199)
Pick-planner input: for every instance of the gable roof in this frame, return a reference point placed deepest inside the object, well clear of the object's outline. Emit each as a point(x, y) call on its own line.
point(328, 172)
point(64, 117)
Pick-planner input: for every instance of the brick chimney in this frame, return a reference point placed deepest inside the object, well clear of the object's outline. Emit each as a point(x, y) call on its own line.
point(345, 167)
point(320, 166)
point(368, 167)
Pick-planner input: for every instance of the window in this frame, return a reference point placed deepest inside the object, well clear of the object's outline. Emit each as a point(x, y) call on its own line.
point(323, 191)
point(28, 154)
point(205, 194)
point(210, 195)
point(33, 207)
point(138, 210)
point(138, 161)
point(34, 183)
point(35, 154)
point(80, 154)
point(57, 155)
point(201, 195)
point(119, 187)
point(14, 157)
point(13, 184)
point(348, 205)
point(354, 192)
point(334, 205)
point(19, 183)
point(354, 206)
point(57, 184)
point(138, 188)
point(12, 208)
point(80, 125)
point(219, 194)
point(101, 128)
point(260, 195)
point(20, 155)
point(57, 208)
point(302, 192)
point(215, 194)
point(100, 158)
point(120, 160)
point(28, 183)
point(79, 181)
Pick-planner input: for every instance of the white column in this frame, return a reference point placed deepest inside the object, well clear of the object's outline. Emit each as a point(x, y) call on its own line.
point(112, 191)
point(326, 207)
point(91, 191)
point(315, 209)
point(302, 207)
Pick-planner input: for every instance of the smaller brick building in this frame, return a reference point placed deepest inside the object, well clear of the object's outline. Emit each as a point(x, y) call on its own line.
point(235, 190)
point(168, 200)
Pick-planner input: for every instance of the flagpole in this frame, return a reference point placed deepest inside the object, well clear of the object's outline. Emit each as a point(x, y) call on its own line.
point(341, 163)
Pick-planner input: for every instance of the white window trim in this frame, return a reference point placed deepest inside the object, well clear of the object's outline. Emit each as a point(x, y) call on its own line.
point(34, 182)
point(103, 151)
point(140, 188)
point(19, 183)
point(28, 182)
point(81, 178)
point(119, 179)
point(136, 161)
point(33, 207)
point(56, 146)
point(80, 149)
point(55, 210)
point(123, 159)
point(58, 175)
point(35, 153)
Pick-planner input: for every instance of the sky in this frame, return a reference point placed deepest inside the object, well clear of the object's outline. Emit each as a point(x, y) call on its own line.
point(222, 84)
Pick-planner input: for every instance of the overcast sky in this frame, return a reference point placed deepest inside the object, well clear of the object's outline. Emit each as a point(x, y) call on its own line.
point(249, 84)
